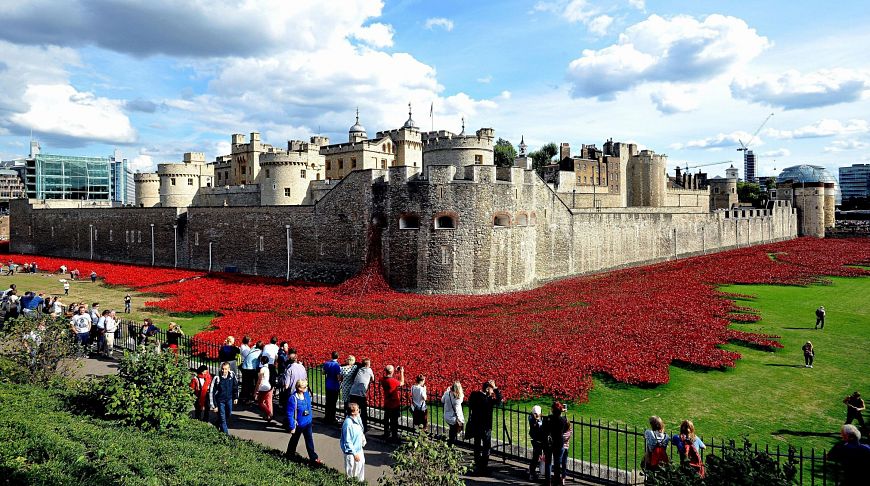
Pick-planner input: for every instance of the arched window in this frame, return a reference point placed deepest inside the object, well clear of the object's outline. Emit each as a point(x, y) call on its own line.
point(409, 221)
point(445, 221)
point(533, 218)
point(501, 220)
point(522, 219)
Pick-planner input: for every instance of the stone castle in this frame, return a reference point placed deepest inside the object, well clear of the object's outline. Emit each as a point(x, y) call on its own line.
point(431, 205)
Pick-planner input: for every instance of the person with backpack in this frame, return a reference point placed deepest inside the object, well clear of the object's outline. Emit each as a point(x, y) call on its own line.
point(538, 436)
point(655, 445)
point(299, 421)
point(453, 415)
point(820, 317)
point(224, 393)
point(481, 404)
point(689, 446)
point(809, 354)
point(200, 385)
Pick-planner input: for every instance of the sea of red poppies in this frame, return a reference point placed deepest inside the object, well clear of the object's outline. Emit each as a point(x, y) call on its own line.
point(629, 324)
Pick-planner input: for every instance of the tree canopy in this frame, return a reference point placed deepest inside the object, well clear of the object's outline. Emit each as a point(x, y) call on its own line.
point(504, 153)
point(543, 156)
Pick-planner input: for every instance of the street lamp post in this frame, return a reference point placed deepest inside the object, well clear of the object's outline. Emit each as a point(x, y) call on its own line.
point(287, 227)
point(91, 239)
point(152, 244)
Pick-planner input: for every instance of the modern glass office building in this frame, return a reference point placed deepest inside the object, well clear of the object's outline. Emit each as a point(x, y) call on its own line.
point(855, 181)
point(78, 178)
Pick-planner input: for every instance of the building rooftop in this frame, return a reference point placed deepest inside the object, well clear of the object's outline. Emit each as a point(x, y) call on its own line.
point(805, 173)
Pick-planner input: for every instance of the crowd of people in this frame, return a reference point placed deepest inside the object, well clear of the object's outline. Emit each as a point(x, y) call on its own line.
point(270, 377)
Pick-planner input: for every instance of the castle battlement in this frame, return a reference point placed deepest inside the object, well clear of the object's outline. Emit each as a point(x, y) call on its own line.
point(483, 140)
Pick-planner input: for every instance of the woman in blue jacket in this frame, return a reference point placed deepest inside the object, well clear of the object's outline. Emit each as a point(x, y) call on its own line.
point(299, 421)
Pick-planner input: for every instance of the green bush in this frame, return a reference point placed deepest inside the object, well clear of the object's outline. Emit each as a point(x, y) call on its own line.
point(423, 460)
point(150, 391)
point(41, 443)
point(36, 350)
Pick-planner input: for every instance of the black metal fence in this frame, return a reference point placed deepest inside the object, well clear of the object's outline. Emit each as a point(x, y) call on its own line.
point(601, 452)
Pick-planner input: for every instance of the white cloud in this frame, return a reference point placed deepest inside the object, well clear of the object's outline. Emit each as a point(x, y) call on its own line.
point(822, 128)
point(485, 80)
point(670, 99)
point(376, 35)
point(843, 145)
point(60, 109)
point(719, 141)
point(505, 95)
point(681, 49)
point(638, 4)
point(441, 22)
point(578, 11)
point(783, 152)
point(141, 163)
point(794, 90)
point(600, 24)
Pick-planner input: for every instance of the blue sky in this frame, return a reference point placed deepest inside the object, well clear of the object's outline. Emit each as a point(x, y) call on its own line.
point(688, 79)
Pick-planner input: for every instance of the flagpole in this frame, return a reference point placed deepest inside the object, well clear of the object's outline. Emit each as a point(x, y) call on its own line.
point(432, 115)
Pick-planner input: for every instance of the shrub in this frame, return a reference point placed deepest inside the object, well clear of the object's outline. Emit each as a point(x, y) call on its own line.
point(150, 391)
point(37, 350)
point(42, 443)
point(422, 460)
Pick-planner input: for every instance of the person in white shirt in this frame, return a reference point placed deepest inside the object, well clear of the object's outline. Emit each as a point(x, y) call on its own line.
point(271, 351)
point(110, 324)
point(418, 402)
point(453, 415)
point(81, 326)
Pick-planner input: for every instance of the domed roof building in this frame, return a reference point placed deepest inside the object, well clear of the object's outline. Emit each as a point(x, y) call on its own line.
point(805, 173)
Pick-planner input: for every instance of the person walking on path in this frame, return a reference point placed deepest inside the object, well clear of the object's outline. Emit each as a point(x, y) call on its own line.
point(128, 301)
point(93, 276)
point(538, 436)
point(853, 456)
point(419, 412)
point(250, 367)
point(201, 384)
point(352, 443)
point(81, 326)
point(264, 390)
point(299, 421)
point(809, 354)
point(392, 401)
point(364, 376)
point(481, 403)
point(453, 415)
point(293, 373)
point(854, 407)
point(65, 287)
point(820, 317)
point(332, 370)
point(224, 394)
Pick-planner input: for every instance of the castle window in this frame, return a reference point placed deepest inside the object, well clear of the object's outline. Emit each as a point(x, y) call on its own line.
point(219, 176)
point(302, 173)
point(501, 220)
point(533, 219)
point(340, 164)
point(110, 234)
point(140, 236)
point(478, 159)
point(522, 219)
point(328, 165)
point(189, 181)
point(409, 221)
point(353, 162)
point(445, 222)
point(172, 181)
point(383, 164)
point(384, 148)
point(715, 190)
point(260, 243)
point(127, 236)
point(196, 239)
point(268, 174)
point(286, 192)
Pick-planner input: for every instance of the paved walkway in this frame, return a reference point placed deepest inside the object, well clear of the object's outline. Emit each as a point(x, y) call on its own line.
point(248, 424)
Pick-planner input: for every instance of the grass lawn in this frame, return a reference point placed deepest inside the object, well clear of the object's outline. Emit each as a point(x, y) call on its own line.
point(109, 297)
point(769, 397)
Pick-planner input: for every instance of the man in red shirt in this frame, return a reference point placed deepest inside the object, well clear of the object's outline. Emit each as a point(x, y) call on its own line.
point(392, 401)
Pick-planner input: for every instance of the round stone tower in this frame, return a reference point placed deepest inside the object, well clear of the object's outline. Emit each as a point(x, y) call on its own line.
point(647, 180)
point(809, 199)
point(147, 189)
point(285, 178)
point(830, 203)
point(179, 183)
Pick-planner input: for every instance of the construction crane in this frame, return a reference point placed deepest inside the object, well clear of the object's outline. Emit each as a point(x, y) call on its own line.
point(687, 167)
point(745, 147)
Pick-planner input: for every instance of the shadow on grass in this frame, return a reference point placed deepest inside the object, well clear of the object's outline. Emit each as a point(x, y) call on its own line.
point(613, 384)
point(785, 365)
point(748, 345)
point(805, 433)
point(798, 328)
point(683, 365)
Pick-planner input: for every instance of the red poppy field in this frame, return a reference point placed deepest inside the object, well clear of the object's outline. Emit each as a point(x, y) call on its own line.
point(546, 341)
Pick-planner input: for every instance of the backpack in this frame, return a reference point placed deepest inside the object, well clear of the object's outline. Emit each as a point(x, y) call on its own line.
point(659, 455)
point(693, 458)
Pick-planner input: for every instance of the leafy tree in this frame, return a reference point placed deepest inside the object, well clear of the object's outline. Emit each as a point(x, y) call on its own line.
point(504, 153)
point(749, 192)
point(543, 156)
point(150, 390)
point(37, 350)
point(423, 460)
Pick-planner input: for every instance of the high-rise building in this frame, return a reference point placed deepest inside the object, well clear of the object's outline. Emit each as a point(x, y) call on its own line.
point(77, 178)
point(749, 166)
point(855, 181)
